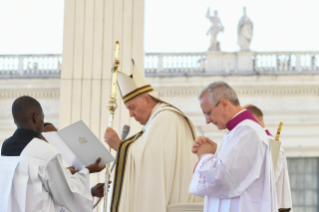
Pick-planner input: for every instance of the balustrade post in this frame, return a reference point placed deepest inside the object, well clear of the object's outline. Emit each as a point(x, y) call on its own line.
point(298, 63)
point(278, 62)
point(160, 63)
point(313, 63)
point(20, 66)
point(202, 64)
point(58, 68)
point(289, 63)
point(285, 68)
point(255, 64)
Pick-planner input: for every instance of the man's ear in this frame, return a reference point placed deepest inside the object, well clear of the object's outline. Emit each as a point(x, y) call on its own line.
point(35, 118)
point(224, 103)
point(147, 98)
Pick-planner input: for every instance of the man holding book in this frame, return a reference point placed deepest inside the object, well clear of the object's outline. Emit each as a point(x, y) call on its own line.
point(153, 167)
point(32, 174)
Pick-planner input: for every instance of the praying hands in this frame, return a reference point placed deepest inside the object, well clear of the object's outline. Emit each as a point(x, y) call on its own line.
point(203, 145)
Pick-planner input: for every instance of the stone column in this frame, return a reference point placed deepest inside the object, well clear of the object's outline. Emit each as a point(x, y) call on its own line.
point(91, 28)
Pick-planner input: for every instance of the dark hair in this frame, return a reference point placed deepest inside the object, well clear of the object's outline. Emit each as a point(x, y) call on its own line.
point(23, 109)
point(47, 123)
point(255, 111)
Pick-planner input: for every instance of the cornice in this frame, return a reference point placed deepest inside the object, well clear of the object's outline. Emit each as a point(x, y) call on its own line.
point(244, 90)
point(55, 93)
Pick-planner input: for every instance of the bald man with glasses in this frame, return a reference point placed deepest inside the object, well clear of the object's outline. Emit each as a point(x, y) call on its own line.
point(240, 177)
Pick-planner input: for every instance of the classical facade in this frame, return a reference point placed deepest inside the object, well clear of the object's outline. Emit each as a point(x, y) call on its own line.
point(285, 91)
point(285, 85)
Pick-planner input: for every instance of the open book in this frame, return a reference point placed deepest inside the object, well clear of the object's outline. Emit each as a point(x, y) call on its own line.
point(78, 145)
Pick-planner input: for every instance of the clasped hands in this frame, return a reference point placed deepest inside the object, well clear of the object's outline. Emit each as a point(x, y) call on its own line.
point(203, 145)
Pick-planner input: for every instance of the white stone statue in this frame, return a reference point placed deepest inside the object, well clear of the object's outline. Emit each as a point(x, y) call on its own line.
point(245, 32)
point(214, 30)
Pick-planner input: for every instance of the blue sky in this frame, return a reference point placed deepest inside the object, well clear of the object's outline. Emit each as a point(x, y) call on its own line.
point(36, 26)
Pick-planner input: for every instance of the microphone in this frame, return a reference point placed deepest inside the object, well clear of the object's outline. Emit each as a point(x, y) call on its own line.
point(125, 131)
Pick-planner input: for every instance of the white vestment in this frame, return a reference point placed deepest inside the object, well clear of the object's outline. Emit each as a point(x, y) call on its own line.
point(282, 181)
point(37, 181)
point(159, 164)
point(240, 178)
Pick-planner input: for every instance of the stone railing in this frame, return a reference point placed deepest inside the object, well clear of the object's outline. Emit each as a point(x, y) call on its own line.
point(286, 62)
point(178, 64)
point(161, 64)
point(30, 66)
point(272, 63)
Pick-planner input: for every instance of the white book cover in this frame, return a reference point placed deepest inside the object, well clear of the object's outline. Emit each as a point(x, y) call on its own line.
point(78, 145)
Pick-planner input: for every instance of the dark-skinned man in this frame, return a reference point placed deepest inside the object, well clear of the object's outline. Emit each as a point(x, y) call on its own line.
point(32, 174)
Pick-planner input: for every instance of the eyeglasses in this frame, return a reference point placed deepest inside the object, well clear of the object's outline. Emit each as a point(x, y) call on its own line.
point(207, 114)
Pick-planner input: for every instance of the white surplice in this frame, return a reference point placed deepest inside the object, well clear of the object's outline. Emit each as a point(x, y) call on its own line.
point(37, 181)
point(159, 164)
point(282, 182)
point(240, 178)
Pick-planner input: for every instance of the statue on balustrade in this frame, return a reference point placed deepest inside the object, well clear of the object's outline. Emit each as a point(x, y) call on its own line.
point(214, 30)
point(245, 32)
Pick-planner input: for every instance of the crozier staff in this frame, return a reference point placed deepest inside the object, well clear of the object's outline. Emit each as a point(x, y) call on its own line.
point(240, 177)
point(32, 175)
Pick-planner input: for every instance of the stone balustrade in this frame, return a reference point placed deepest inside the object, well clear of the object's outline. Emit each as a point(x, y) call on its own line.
point(178, 64)
point(30, 66)
point(157, 64)
point(286, 62)
point(273, 63)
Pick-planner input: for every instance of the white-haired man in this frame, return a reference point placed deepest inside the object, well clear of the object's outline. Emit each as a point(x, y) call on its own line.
point(153, 167)
point(281, 175)
point(239, 178)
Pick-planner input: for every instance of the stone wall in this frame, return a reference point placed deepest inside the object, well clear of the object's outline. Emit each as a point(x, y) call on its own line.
point(293, 99)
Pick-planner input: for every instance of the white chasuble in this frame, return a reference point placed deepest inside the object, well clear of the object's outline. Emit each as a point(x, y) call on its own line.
point(240, 177)
point(37, 181)
point(158, 167)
